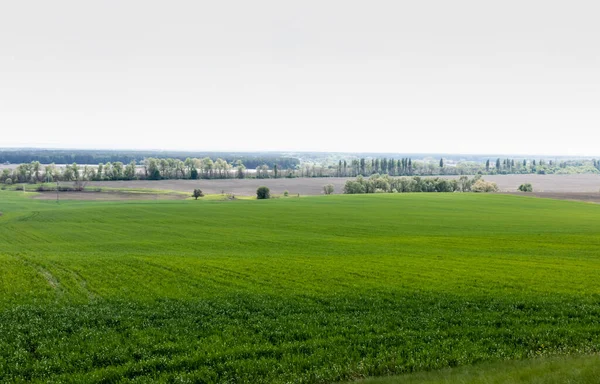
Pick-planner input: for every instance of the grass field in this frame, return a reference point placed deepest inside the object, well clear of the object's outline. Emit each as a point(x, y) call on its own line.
point(309, 290)
point(553, 370)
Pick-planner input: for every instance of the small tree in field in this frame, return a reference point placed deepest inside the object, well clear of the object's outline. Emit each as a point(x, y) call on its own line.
point(263, 193)
point(328, 189)
point(197, 193)
point(484, 186)
point(527, 187)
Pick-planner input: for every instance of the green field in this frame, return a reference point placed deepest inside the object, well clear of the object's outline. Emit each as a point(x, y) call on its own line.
point(316, 289)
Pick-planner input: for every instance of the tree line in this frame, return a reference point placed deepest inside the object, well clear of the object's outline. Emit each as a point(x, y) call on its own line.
point(149, 169)
point(153, 168)
point(409, 167)
point(89, 157)
point(386, 184)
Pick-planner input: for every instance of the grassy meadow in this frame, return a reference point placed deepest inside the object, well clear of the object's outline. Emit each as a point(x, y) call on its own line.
point(299, 290)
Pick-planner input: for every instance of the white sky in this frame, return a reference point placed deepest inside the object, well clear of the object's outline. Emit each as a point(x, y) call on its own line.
point(369, 76)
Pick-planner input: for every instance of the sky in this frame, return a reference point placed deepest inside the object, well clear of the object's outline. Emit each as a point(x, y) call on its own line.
point(508, 77)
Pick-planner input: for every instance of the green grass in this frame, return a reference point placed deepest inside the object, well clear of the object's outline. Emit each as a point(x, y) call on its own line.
point(579, 369)
point(313, 290)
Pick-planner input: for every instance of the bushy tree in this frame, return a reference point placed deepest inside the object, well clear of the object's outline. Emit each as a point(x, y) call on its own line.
point(527, 187)
point(197, 193)
point(328, 189)
point(484, 186)
point(263, 193)
point(354, 187)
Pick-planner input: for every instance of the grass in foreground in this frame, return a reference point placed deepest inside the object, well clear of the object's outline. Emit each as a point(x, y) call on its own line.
point(292, 290)
point(580, 370)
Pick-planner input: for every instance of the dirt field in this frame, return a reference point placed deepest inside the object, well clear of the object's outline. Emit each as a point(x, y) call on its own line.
point(107, 196)
point(314, 186)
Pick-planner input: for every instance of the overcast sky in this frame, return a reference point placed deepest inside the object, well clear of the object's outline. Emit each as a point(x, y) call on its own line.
point(381, 76)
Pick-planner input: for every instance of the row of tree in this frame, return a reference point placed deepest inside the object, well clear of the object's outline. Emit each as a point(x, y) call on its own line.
point(150, 168)
point(386, 184)
point(410, 167)
point(195, 168)
point(510, 166)
point(89, 157)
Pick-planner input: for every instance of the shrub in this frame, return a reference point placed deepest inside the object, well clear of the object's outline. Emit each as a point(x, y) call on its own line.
point(8, 181)
point(263, 193)
point(353, 187)
point(197, 193)
point(484, 186)
point(527, 187)
point(328, 189)
point(286, 193)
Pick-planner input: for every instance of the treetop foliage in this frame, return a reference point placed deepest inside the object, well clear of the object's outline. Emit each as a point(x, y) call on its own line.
point(386, 184)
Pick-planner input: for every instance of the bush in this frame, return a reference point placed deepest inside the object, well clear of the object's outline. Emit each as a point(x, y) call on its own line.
point(328, 189)
point(197, 193)
point(527, 187)
point(354, 187)
point(8, 181)
point(484, 186)
point(286, 193)
point(263, 193)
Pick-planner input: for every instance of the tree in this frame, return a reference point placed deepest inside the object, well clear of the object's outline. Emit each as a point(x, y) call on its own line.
point(241, 171)
point(442, 162)
point(263, 193)
point(487, 165)
point(328, 189)
point(464, 184)
point(354, 187)
point(99, 174)
point(117, 168)
point(151, 166)
point(484, 186)
point(498, 164)
point(189, 166)
point(527, 187)
point(36, 168)
point(197, 193)
point(275, 170)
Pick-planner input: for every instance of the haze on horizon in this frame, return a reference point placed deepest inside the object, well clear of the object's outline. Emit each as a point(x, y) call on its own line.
point(513, 77)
